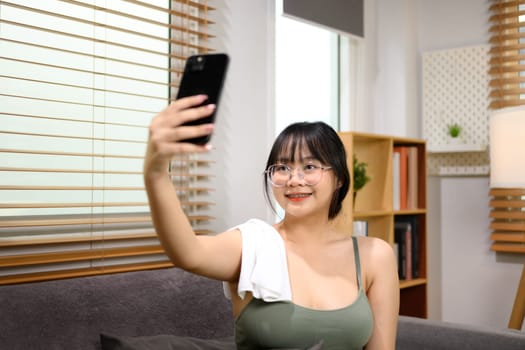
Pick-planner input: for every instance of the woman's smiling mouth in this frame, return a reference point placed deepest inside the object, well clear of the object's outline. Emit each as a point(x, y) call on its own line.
point(297, 197)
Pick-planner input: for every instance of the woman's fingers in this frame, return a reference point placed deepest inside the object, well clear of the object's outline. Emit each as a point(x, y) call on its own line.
point(169, 129)
point(182, 133)
point(193, 114)
point(187, 102)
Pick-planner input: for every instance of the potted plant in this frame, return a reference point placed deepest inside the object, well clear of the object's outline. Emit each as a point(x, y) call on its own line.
point(454, 130)
point(361, 178)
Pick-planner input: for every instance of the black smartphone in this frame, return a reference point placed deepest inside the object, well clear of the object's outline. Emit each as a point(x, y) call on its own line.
point(204, 74)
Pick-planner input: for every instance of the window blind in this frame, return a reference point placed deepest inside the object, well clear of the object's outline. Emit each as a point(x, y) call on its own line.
point(79, 84)
point(507, 58)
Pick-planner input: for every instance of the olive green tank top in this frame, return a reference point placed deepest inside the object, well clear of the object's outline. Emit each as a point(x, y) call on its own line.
point(284, 325)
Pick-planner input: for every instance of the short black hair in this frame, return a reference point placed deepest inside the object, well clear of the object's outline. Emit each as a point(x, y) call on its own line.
point(324, 144)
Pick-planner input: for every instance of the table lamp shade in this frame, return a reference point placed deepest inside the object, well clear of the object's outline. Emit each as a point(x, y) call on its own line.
point(507, 148)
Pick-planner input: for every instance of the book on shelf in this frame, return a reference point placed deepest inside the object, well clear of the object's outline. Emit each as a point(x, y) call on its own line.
point(407, 238)
point(412, 178)
point(402, 237)
point(396, 204)
point(402, 174)
point(405, 177)
point(360, 228)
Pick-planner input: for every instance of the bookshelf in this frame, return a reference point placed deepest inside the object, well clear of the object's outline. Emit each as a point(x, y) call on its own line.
point(375, 204)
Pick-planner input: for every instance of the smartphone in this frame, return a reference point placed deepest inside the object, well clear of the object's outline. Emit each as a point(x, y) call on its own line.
point(204, 74)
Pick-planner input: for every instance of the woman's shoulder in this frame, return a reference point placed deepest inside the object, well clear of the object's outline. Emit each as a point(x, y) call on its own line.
point(375, 248)
point(378, 260)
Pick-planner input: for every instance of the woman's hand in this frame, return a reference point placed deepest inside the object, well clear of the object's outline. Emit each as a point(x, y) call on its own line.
point(166, 133)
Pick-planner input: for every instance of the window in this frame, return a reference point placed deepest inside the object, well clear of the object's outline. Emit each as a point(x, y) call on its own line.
point(315, 73)
point(79, 83)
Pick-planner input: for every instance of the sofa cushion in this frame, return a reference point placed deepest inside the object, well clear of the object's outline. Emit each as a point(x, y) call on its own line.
point(173, 342)
point(164, 342)
point(422, 334)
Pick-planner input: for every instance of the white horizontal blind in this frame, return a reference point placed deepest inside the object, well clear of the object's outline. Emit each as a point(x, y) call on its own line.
point(79, 84)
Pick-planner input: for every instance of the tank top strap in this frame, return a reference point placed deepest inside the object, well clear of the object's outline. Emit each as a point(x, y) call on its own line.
point(357, 262)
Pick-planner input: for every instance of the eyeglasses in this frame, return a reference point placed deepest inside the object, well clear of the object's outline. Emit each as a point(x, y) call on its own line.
point(280, 174)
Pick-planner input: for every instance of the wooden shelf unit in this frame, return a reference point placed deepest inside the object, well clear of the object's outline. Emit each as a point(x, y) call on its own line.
point(374, 204)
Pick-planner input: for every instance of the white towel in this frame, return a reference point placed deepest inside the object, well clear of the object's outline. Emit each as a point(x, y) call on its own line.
point(264, 270)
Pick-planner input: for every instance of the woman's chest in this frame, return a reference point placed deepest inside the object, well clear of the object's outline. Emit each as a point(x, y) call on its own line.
point(285, 325)
point(325, 281)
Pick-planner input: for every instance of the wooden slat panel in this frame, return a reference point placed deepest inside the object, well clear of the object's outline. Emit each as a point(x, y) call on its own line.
point(507, 203)
point(508, 237)
point(505, 192)
point(507, 226)
point(504, 5)
point(508, 248)
point(507, 214)
point(506, 45)
point(498, 60)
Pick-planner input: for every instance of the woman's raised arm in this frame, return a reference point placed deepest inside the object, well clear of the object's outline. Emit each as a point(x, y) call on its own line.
point(213, 256)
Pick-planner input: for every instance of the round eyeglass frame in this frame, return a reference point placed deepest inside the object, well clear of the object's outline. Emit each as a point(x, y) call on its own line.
point(268, 172)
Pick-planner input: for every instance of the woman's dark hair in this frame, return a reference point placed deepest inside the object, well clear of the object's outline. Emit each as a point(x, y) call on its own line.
point(324, 144)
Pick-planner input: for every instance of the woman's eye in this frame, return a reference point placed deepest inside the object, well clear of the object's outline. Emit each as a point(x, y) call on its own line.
point(310, 167)
point(281, 168)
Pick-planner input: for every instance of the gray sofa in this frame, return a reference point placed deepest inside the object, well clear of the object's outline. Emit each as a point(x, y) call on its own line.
point(72, 313)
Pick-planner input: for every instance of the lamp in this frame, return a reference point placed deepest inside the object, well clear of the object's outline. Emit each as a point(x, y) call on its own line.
point(507, 189)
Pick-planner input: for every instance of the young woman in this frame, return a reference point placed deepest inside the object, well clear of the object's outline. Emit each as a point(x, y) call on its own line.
point(299, 283)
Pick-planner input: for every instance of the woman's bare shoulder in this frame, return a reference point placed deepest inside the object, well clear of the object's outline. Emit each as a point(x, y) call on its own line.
point(378, 261)
point(375, 252)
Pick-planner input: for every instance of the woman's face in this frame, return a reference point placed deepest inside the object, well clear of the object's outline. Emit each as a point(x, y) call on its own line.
point(310, 188)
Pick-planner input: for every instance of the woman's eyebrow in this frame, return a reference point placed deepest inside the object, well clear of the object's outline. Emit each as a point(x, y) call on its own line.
point(301, 159)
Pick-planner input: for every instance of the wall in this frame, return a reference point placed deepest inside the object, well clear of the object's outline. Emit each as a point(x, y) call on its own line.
point(245, 121)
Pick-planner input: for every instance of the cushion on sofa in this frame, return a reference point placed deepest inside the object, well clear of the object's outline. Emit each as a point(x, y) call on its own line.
point(164, 342)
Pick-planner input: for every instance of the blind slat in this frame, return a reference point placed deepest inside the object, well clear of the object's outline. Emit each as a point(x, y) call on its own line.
point(508, 237)
point(508, 247)
point(94, 205)
point(90, 271)
point(77, 255)
point(21, 242)
point(64, 239)
point(90, 221)
point(95, 188)
point(95, 56)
